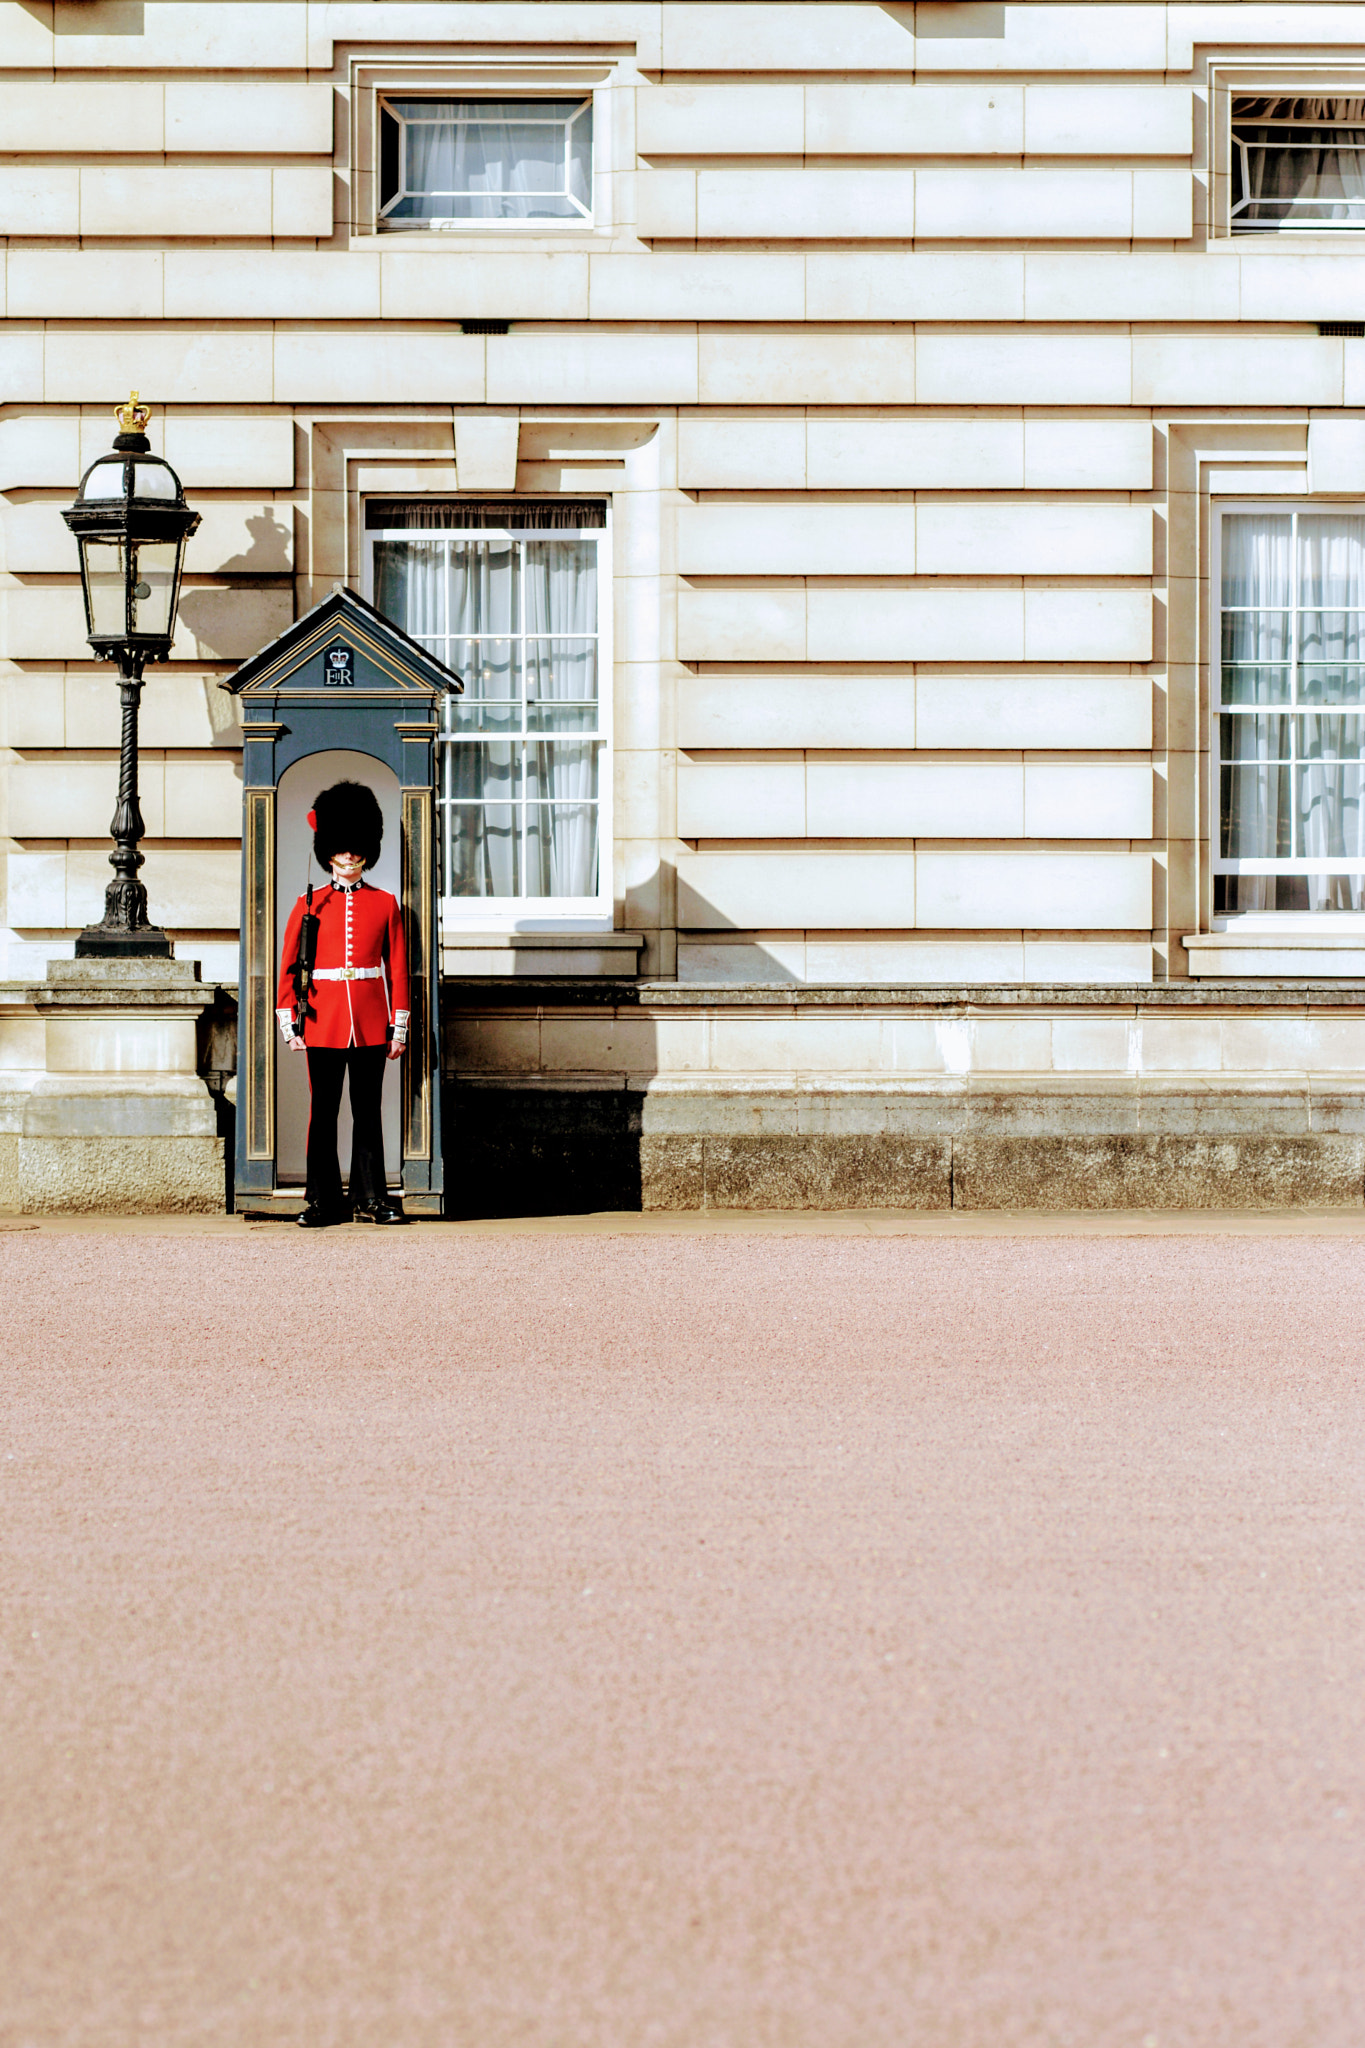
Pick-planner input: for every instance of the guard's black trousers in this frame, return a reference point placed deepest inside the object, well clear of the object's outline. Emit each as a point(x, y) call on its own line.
point(327, 1067)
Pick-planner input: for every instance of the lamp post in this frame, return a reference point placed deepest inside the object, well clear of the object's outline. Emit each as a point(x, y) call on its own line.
point(131, 524)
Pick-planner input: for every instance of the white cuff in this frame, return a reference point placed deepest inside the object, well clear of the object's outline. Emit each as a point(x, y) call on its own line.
point(286, 1019)
point(400, 1026)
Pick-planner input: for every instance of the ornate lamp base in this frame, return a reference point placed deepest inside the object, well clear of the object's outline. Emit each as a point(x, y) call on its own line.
point(124, 933)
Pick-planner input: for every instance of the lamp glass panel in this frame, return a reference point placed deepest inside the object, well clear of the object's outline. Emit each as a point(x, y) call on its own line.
point(105, 588)
point(105, 479)
point(153, 480)
point(154, 570)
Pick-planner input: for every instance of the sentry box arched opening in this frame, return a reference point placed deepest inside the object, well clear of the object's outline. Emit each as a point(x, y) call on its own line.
point(345, 688)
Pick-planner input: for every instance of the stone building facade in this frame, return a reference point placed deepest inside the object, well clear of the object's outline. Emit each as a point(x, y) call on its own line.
point(895, 477)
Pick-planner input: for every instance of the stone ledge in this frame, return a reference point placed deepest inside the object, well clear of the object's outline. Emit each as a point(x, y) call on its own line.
point(1127, 998)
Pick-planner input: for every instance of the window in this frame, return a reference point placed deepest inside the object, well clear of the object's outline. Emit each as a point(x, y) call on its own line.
point(1297, 163)
point(1291, 723)
point(508, 595)
point(448, 161)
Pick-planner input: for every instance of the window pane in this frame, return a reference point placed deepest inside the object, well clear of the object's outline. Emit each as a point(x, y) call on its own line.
point(1331, 739)
point(1235, 894)
point(486, 772)
point(1330, 811)
point(1258, 561)
point(561, 685)
point(1327, 683)
point(1255, 810)
point(1332, 561)
point(410, 587)
point(494, 159)
point(1298, 162)
point(1257, 739)
point(490, 702)
point(484, 855)
point(483, 585)
point(561, 849)
point(562, 769)
point(1257, 636)
point(1245, 684)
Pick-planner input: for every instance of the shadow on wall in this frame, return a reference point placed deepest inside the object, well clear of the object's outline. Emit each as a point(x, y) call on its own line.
point(213, 615)
point(541, 1151)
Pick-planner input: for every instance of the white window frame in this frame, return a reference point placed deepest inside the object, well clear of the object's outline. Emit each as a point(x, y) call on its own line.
point(1219, 863)
point(1229, 79)
point(1353, 225)
point(388, 102)
point(536, 913)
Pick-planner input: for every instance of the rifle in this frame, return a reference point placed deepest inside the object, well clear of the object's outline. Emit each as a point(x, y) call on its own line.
point(304, 962)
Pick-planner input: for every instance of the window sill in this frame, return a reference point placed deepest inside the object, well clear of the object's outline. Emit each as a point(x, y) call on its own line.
point(1296, 951)
point(536, 955)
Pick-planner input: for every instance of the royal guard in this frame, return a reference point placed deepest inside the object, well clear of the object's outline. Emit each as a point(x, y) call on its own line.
point(343, 999)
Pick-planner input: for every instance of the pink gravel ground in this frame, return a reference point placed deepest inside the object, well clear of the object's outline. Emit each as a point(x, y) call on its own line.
point(745, 1641)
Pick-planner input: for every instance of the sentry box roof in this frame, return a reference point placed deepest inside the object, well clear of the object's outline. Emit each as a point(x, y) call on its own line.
point(344, 644)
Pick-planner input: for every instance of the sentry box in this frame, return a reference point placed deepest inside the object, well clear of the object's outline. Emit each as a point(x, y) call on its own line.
point(341, 695)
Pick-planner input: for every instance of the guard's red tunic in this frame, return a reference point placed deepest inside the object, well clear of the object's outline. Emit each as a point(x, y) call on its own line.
point(358, 929)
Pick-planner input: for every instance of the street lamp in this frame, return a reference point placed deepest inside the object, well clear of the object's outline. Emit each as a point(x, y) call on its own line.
point(131, 524)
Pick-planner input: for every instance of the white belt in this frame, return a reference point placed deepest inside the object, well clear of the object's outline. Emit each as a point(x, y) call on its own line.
point(347, 973)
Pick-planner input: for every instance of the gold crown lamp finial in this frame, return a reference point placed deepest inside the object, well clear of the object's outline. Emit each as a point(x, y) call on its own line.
point(133, 417)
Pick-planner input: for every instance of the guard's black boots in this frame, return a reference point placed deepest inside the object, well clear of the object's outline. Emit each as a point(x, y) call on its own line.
point(380, 1212)
point(315, 1217)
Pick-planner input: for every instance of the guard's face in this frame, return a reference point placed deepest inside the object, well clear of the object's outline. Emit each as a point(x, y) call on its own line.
point(347, 867)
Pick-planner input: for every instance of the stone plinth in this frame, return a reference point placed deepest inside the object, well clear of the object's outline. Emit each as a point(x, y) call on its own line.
point(118, 1119)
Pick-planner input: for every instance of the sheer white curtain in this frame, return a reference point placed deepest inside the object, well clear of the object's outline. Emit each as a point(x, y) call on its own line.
point(1293, 698)
point(561, 696)
point(1331, 816)
point(486, 160)
point(517, 620)
point(1304, 173)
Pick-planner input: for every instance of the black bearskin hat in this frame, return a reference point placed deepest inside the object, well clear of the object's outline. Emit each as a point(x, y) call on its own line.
point(346, 819)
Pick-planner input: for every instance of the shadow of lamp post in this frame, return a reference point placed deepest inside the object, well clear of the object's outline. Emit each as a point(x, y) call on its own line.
point(131, 524)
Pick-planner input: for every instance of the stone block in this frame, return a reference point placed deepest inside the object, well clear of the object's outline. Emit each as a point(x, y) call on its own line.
point(389, 365)
point(919, 284)
point(914, 622)
point(252, 118)
point(763, 622)
point(1024, 369)
point(1088, 799)
point(806, 205)
point(914, 799)
point(1108, 120)
point(38, 199)
point(1032, 538)
point(604, 368)
point(867, 119)
point(180, 200)
point(711, 284)
point(855, 711)
point(864, 1171)
point(712, 36)
point(1236, 369)
point(424, 279)
point(1091, 712)
point(715, 120)
point(731, 454)
point(1014, 205)
point(798, 889)
point(773, 537)
point(121, 1176)
point(971, 891)
point(1039, 37)
point(902, 455)
point(182, 365)
point(764, 799)
point(1126, 1171)
point(271, 284)
point(809, 368)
